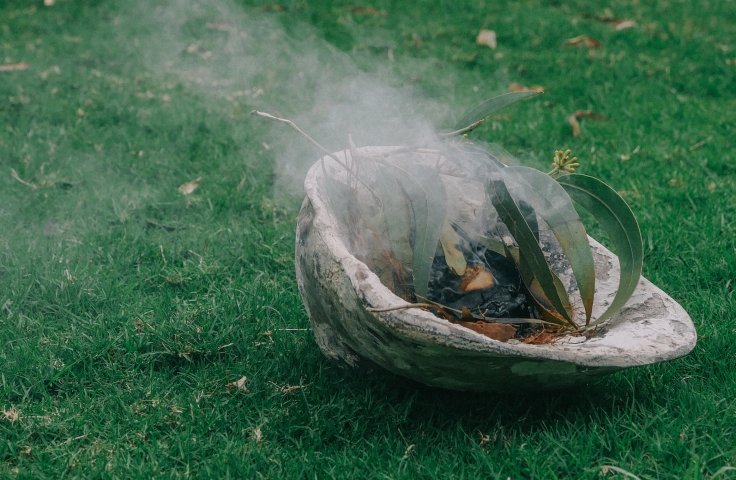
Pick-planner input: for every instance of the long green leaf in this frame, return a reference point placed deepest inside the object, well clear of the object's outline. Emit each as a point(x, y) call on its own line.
point(615, 216)
point(394, 214)
point(425, 193)
point(549, 200)
point(517, 224)
point(492, 105)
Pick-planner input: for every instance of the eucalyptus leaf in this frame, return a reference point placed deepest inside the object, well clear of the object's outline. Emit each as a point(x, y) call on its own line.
point(615, 216)
point(394, 214)
point(453, 256)
point(491, 106)
point(550, 201)
point(522, 232)
point(427, 199)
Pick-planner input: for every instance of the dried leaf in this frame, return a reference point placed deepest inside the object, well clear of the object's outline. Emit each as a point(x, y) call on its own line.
point(516, 87)
point(222, 25)
point(367, 11)
point(239, 385)
point(496, 331)
point(189, 187)
point(487, 38)
point(14, 174)
point(573, 120)
point(257, 434)
point(575, 125)
point(14, 66)
point(453, 256)
point(625, 24)
point(589, 42)
point(476, 278)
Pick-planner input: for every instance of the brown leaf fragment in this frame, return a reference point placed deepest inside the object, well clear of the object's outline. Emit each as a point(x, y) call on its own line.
point(575, 125)
point(573, 119)
point(222, 26)
point(239, 385)
point(487, 38)
point(496, 331)
point(625, 24)
point(271, 8)
point(580, 40)
point(14, 66)
point(367, 11)
point(466, 315)
point(517, 87)
point(189, 187)
point(476, 278)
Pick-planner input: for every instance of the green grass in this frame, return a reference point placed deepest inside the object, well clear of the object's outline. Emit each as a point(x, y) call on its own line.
point(118, 338)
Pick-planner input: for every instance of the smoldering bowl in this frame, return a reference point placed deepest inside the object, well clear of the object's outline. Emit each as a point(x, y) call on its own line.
point(337, 289)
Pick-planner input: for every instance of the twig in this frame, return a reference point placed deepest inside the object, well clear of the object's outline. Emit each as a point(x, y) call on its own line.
point(14, 174)
point(288, 122)
point(462, 131)
point(401, 307)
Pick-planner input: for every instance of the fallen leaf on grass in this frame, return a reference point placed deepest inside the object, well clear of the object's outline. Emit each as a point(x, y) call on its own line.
point(14, 174)
point(271, 8)
point(487, 38)
point(194, 48)
point(239, 385)
point(49, 3)
point(575, 125)
point(573, 120)
point(14, 66)
point(367, 11)
point(257, 434)
point(625, 24)
point(222, 25)
point(496, 331)
point(189, 187)
point(589, 42)
point(517, 87)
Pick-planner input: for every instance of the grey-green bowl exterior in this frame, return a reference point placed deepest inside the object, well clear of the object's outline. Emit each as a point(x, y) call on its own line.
point(336, 289)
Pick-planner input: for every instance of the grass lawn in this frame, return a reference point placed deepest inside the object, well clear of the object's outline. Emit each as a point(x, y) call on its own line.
point(128, 311)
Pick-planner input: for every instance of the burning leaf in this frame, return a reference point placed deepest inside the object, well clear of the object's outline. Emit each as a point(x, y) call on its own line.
point(516, 87)
point(589, 42)
point(453, 256)
point(487, 38)
point(496, 331)
point(14, 66)
point(189, 187)
point(476, 278)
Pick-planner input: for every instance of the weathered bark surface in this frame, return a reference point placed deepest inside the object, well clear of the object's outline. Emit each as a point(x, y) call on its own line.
point(336, 289)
